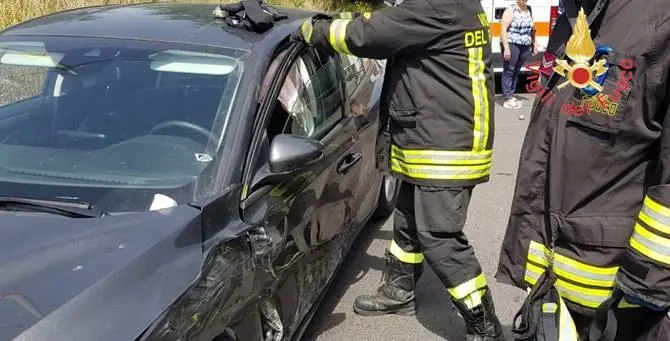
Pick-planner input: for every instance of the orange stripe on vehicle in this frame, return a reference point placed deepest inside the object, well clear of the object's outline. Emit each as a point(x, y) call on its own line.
point(542, 29)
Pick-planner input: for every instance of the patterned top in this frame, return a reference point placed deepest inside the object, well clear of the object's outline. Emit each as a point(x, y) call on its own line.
point(521, 27)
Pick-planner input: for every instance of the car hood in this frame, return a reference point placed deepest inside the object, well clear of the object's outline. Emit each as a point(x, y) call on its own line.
point(69, 279)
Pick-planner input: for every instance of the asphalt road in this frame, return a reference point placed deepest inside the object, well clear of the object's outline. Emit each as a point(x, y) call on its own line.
point(435, 319)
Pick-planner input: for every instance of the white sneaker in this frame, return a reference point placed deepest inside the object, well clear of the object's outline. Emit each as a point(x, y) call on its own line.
point(511, 104)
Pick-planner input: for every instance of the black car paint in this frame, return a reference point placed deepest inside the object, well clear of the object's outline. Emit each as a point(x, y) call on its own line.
point(79, 274)
point(193, 272)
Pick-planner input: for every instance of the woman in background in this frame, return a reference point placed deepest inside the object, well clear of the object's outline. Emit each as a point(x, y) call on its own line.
point(518, 41)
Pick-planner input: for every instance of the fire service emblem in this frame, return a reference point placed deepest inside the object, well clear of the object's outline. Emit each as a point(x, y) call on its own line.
point(580, 48)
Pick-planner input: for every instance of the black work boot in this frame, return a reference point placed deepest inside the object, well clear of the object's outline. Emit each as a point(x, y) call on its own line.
point(396, 294)
point(481, 321)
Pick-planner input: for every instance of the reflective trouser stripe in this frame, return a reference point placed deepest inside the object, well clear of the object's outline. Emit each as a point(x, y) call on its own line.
point(404, 256)
point(470, 292)
point(338, 35)
point(474, 299)
point(476, 68)
point(581, 283)
point(649, 235)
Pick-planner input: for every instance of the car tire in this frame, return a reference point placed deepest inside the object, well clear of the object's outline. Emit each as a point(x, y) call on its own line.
point(388, 197)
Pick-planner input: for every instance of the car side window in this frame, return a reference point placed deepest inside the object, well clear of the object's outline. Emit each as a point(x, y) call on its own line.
point(20, 83)
point(310, 100)
point(354, 70)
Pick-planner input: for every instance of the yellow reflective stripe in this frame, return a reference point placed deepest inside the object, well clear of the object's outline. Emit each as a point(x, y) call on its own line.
point(575, 271)
point(476, 68)
point(475, 299)
point(441, 157)
point(538, 253)
point(650, 244)
point(404, 256)
point(587, 297)
point(592, 270)
point(584, 273)
point(483, 19)
point(533, 273)
point(608, 282)
point(591, 298)
point(647, 219)
point(338, 34)
point(566, 326)
point(655, 215)
point(441, 172)
point(466, 288)
point(656, 207)
point(550, 308)
point(367, 15)
point(307, 30)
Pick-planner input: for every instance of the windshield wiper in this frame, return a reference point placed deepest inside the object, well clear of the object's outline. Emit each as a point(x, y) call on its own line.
point(67, 209)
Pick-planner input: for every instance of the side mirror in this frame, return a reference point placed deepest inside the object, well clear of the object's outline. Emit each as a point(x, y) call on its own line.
point(291, 152)
point(287, 154)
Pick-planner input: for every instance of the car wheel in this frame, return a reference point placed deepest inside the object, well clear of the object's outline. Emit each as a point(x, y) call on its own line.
point(388, 196)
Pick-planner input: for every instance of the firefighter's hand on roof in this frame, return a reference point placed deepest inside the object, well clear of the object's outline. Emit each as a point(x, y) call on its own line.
point(306, 30)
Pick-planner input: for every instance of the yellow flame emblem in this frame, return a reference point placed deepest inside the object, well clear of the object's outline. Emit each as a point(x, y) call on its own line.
point(581, 49)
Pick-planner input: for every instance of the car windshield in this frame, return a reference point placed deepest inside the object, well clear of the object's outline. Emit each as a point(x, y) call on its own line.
point(110, 122)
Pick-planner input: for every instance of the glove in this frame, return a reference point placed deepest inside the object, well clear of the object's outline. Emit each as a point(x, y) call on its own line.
point(304, 32)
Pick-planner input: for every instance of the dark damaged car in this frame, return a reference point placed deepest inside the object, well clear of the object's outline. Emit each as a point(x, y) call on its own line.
point(166, 176)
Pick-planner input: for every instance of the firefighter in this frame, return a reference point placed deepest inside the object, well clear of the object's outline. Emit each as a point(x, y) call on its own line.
point(437, 119)
point(592, 197)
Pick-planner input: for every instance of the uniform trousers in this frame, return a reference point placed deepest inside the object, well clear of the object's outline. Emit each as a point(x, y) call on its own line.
point(428, 223)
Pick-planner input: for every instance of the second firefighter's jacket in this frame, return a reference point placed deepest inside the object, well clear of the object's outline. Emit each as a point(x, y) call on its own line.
point(437, 100)
point(594, 168)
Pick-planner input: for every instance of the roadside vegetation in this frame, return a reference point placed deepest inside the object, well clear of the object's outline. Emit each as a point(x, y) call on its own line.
point(15, 11)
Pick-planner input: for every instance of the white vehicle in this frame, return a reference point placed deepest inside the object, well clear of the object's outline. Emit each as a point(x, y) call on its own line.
point(545, 14)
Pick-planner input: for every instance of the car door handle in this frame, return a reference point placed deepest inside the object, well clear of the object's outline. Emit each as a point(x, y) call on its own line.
point(348, 162)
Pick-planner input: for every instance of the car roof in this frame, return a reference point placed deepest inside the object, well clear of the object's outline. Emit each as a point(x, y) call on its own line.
point(166, 22)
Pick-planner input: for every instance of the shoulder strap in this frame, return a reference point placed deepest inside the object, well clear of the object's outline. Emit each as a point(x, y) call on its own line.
point(604, 326)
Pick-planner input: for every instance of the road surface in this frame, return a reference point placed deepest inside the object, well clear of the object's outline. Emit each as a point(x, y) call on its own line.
point(435, 319)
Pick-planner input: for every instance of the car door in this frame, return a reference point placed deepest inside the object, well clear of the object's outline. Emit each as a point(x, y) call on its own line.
point(309, 216)
point(364, 80)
